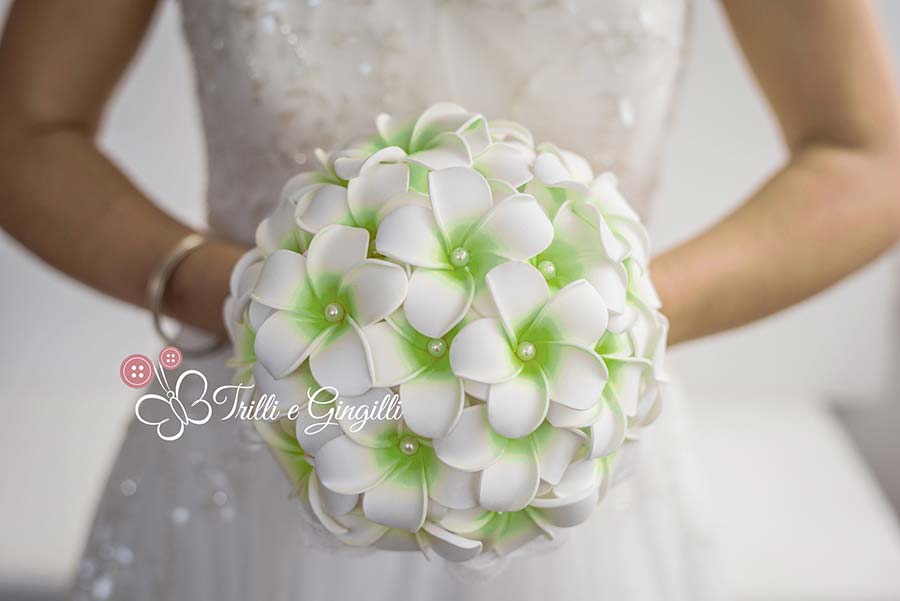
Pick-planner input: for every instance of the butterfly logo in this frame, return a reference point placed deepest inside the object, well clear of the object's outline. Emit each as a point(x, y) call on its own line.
point(169, 413)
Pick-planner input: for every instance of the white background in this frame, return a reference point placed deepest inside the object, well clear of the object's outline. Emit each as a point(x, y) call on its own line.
point(63, 403)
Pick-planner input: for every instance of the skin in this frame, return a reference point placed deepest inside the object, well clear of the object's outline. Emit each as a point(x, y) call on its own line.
point(831, 208)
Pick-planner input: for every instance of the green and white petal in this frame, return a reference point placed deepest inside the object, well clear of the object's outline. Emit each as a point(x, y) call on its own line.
point(243, 277)
point(372, 189)
point(466, 521)
point(615, 246)
point(448, 545)
point(401, 500)
point(359, 423)
point(624, 321)
point(282, 282)
point(437, 118)
point(343, 360)
point(577, 375)
point(410, 234)
point(573, 165)
point(438, 300)
point(511, 482)
point(556, 448)
point(285, 340)
point(321, 207)
point(332, 253)
point(447, 150)
point(568, 512)
point(549, 169)
point(290, 390)
point(432, 402)
point(518, 406)
point(374, 289)
point(349, 468)
point(392, 131)
point(504, 162)
point(475, 133)
point(519, 292)
point(605, 192)
point(471, 445)
point(635, 236)
point(482, 352)
point(460, 197)
point(394, 358)
point(515, 229)
point(453, 488)
point(576, 314)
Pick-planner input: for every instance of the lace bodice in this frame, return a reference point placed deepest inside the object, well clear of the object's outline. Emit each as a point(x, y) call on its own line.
point(278, 78)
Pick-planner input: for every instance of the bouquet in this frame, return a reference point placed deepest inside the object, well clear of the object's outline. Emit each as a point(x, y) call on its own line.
point(465, 324)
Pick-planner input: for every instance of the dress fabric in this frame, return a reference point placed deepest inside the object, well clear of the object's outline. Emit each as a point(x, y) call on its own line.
point(210, 516)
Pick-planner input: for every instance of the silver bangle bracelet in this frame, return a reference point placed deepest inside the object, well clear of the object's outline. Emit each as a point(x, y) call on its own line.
point(159, 281)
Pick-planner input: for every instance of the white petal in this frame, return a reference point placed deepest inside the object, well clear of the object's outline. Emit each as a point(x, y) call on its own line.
point(439, 117)
point(285, 340)
point(516, 229)
point(410, 235)
point(282, 282)
point(556, 448)
point(348, 468)
point(568, 512)
point(358, 419)
point(315, 503)
point(517, 407)
point(343, 360)
point(447, 150)
point(519, 291)
point(577, 375)
point(581, 476)
point(481, 352)
point(432, 403)
point(504, 162)
point(393, 358)
point(576, 314)
point(238, 284)
point(608, 431)
point(451, 487)
point(362, 532)
point(609, 279)
point(612, 244)
point(566, 417)
point(625, 379)
point(510, 482)
point(312, 427)
point(471, 445)
point(332, 253)
point(321, 207)
point(372, 189)
point(610, 200)
point(257, 314)
point(460, 197)
point(288, 391)
point(549, 169)
point(450, 546)
point(438, 300)
point(375, 289)
point(399, 501)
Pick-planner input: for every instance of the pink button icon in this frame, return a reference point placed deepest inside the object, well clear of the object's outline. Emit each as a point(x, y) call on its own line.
point(136, 371)
point(170, 357)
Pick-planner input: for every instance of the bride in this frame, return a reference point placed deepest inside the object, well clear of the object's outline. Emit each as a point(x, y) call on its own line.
point(209, 516)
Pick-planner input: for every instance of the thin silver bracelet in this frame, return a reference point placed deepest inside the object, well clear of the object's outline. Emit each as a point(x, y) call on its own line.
point(159, 281)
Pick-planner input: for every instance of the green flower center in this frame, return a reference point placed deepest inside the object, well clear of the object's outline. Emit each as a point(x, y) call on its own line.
point(437, 348)
point(525, 351)
point(408, 445)
point(547, 269)
point(334, 312)
point(459, 257)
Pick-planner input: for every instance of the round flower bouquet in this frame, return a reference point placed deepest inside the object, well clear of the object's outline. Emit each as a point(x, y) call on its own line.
point(466, 326)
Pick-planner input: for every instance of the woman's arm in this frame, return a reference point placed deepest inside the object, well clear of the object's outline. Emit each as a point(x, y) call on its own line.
point(59, 195)
point(834, 206)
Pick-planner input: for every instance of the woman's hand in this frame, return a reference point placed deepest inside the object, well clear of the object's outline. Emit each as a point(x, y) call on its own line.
point(834, 206)
point(62, 198)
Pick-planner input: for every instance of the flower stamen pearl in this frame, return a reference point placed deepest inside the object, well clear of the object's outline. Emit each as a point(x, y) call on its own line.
point(408, 445)
point(525, 351)
point(459, 257)
point(437, 348)
point(334, 312)
point(547, 269)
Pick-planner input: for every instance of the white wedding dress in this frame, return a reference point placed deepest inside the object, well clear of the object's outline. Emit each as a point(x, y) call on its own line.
point(209, 517)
